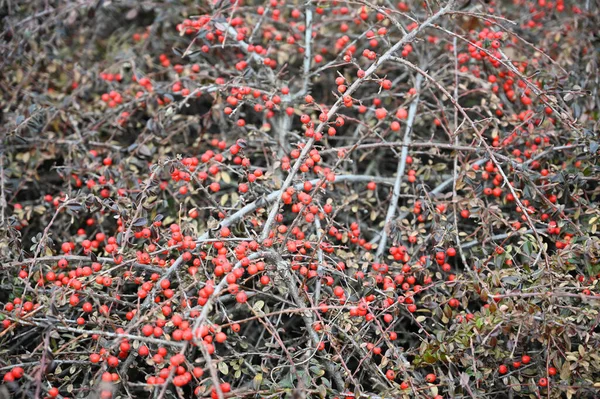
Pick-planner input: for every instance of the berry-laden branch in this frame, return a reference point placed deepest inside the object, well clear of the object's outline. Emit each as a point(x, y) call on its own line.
point(487, 148)
point(333, 110)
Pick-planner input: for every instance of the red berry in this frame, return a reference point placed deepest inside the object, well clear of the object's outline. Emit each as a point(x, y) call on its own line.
point(380, 113)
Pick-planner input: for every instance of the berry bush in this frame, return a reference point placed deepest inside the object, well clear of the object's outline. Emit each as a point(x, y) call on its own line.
point(299, 199)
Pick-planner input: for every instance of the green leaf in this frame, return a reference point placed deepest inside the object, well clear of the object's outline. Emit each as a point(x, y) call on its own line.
point(429, 358)
point(322, 391)
point(565, 371)
point(257, 380)
point(258, 305)
point(515, 384)
point(223, 368)
point(287, 381)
